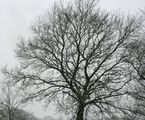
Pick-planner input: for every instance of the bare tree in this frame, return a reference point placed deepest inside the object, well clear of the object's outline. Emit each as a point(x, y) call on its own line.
point(77, 58)
point(136, 59)
point(9, 101)
point(10, 104)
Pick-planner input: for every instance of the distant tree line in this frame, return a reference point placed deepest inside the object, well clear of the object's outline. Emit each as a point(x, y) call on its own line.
point(17, 114)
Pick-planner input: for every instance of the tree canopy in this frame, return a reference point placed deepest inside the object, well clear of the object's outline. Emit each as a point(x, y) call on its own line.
point(79, 57)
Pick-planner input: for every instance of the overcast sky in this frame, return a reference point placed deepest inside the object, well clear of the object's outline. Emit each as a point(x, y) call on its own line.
point(16, 17)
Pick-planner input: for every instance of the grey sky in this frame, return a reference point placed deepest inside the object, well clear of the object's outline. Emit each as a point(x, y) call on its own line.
point(15, 20)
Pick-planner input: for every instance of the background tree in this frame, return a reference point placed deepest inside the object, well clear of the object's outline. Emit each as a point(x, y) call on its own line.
point(77, 58)
point(10, 104)
point(9, 101)
point(136, 59)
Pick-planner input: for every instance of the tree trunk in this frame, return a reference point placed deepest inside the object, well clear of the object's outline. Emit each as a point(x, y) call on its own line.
point(80, 112)
point(9, 114)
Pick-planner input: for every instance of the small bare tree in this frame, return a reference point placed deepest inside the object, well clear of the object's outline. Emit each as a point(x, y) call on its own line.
point(77, 58)
point(9, 101)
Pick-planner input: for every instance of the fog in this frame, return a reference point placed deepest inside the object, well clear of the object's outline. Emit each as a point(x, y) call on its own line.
point(16, 17)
